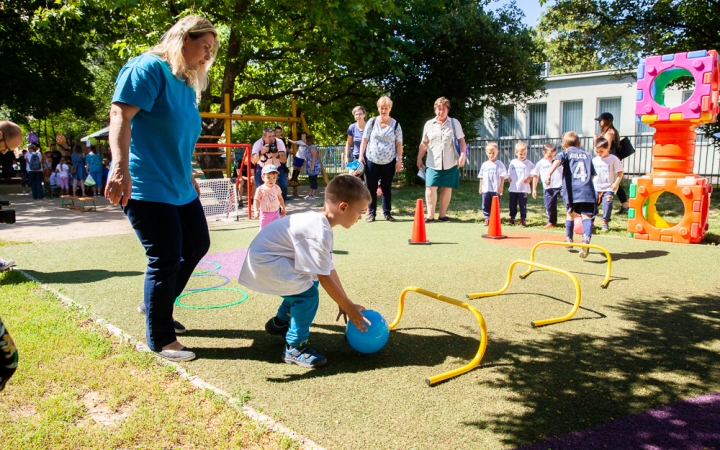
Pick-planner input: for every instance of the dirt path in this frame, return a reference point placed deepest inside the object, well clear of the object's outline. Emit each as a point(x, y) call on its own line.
point(45, 220)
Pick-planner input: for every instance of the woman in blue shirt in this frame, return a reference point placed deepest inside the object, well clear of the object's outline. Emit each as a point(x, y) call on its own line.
point(151, 175)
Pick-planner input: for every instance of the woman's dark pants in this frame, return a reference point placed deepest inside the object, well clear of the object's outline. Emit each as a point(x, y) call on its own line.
point(382, 174)
point(175, 239)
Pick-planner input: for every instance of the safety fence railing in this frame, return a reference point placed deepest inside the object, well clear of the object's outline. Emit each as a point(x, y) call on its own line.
point(707, 158)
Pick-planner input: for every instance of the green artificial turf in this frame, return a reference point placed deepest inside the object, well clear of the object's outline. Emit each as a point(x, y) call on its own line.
point(647, 340)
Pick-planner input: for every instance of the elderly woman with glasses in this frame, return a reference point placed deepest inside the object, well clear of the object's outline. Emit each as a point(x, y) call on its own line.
point(154, 125)
point(381, 152)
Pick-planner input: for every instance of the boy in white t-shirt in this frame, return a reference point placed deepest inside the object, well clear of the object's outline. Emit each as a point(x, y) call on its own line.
point(492, 178)
point(551, 191)
point(520, 174)
point(291, 255)
point(300, 156)
point(609, 171)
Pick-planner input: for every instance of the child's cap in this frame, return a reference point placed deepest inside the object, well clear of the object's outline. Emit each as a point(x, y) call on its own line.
point(268, 168)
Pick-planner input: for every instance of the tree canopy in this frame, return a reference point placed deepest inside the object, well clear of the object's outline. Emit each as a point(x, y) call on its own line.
point(618, 33)
point(330, 55)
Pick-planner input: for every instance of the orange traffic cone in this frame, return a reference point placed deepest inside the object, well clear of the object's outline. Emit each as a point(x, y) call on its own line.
point(418, 232)
point(494, 228)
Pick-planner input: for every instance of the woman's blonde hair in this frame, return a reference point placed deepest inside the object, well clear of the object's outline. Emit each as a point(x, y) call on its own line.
point(170, 48)
point(442, 101)
point(384, 100)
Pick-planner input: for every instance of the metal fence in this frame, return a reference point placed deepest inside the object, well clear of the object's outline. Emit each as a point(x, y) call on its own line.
point(707, 158)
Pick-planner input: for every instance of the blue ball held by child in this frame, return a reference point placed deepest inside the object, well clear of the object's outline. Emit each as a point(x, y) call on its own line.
point(371, 340)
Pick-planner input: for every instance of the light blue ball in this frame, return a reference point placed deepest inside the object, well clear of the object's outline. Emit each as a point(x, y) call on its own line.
point(371, 340)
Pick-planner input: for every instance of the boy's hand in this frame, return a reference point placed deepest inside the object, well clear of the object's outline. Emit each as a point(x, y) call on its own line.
point(547, 181)
point(534, 194)
point(356, 317)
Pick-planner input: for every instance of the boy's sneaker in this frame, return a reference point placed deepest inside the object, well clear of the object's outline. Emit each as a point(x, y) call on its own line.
point(487, 222)
point(179, 328)
point(605, 226)
point(522, 223)
point(303, 356)
point(623, 210)
point(277, 327)
point(511, 222)
point(584, 251)
point(5, 265)
point(548, 225)
point(569, 247)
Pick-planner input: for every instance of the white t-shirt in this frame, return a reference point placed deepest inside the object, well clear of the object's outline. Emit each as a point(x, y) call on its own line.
point(541, 170)
point(518, 172)
point(259, 144)
point(607, 169)
point(63, 170)
point(493, 175)
point(287, 255)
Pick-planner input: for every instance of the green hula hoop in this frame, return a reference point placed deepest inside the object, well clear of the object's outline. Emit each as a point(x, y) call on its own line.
point(226, 305)
point(201, 272)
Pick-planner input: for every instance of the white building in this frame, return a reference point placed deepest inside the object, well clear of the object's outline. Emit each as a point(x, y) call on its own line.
point(572, 102)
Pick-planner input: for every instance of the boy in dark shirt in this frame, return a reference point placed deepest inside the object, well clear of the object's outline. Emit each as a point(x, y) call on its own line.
point(578, 189)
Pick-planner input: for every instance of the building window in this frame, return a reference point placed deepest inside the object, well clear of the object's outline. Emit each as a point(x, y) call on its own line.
point(643, 128)
point(537, 119)
point(506, 121)
point(686, 96)
point(611, 105)
point(572, 116)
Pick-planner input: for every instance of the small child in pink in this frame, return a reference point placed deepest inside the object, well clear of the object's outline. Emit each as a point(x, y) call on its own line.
point(268, 197)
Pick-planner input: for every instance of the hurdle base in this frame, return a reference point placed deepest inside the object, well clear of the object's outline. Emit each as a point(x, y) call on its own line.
point(487, 236)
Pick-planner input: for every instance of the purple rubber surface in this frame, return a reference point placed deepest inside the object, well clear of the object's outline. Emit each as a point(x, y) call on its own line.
point(687, 425)
point(230, 262)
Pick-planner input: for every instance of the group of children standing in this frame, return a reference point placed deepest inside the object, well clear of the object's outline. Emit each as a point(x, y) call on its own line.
point(584, 183)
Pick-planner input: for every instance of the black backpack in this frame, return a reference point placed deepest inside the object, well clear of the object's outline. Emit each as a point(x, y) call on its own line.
point(35, 161)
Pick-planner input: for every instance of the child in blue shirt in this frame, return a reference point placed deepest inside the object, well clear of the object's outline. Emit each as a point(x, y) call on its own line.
point(291, 255)
point(578, 188)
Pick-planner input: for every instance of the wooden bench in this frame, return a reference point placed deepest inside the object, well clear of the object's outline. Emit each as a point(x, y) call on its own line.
point(68, 201)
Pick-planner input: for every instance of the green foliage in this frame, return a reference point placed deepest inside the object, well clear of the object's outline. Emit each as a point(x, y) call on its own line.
point(44, 47)
point(473, 57)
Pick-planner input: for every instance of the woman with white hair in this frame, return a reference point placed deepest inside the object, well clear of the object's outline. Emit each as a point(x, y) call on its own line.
point(151, 176)
point(381, 152)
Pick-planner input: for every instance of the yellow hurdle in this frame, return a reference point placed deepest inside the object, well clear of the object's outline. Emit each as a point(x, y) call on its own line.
point(483, 331)
point(538, 323)
point(604, 284)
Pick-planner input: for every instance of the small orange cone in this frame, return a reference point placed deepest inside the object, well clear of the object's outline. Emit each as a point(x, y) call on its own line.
point(418, 232)
point(494, 228)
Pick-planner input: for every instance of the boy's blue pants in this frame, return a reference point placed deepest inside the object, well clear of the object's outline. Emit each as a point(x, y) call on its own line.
point(487, 202)
point(550, 198)
point(515, 199)
point(300, 310)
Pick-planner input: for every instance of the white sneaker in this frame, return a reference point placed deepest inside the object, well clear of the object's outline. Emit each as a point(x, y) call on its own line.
point(5, 265)
point(584, 251)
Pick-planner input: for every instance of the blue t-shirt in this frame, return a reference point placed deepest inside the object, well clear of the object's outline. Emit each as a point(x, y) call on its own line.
point(164, 131)
point(357, 135)
point(578, 173)
point(94, 162)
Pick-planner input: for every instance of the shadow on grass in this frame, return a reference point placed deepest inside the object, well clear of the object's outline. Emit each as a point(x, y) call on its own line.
point(477, 303)
point(404, 348)
point(648, 254)
point(80, 276)
point(667, 352)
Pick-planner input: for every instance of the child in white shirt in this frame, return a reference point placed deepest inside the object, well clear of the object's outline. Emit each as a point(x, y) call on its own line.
point(300, 156)
point(609, 171)
point(551, 191)
point(492, 177)
point(520, 174)
point(291, 255)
